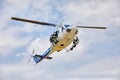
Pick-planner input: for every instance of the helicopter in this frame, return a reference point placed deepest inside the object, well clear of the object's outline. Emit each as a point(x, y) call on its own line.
point(60, 39)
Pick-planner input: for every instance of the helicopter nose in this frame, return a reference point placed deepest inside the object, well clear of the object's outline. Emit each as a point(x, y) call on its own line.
point(68, 30)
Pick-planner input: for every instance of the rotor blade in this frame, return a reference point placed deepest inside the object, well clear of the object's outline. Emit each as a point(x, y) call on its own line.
point(29, 59)
point(32, 21)
point(31, 55)
point(93, 27)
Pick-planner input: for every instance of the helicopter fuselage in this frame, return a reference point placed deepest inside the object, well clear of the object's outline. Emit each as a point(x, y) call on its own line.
point(65, 39)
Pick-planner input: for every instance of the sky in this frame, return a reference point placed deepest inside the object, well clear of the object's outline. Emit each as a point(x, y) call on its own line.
point(97, 57)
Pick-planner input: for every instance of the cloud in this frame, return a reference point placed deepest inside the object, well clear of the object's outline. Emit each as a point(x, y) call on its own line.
point(9, 40)
point(106, 69)
point(39, 44)
point(96, 56)
point(15, 35)
point(13, 7)
point(90, 12)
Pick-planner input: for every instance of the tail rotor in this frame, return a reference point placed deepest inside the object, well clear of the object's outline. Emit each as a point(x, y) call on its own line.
point(31, 56)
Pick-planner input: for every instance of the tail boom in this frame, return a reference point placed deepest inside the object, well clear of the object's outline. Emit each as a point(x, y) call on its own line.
point(38, 58)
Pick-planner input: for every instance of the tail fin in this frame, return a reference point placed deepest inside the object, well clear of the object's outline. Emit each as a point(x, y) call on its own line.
point(38, 58)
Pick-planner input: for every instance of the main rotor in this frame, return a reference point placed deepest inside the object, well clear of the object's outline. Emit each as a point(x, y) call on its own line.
point(54, 25)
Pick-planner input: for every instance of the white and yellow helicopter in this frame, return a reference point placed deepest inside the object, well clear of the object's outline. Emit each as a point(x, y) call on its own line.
point(60, 39)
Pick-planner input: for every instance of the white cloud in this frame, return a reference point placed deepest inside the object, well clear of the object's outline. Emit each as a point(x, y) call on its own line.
point(76, 65)
point(39, 44)
point(10, 40)
point(90, 12)
point(11, 8)
point(106, 69)
point(12, 37)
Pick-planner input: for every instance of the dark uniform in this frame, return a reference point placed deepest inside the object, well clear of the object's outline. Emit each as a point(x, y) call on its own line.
point(53, 38)
point(75, 42)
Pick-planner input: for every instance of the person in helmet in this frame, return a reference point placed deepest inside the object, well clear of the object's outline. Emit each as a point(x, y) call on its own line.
point(54, 38)
point(75, 42)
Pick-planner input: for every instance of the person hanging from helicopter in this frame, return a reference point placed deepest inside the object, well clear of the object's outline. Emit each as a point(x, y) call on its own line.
point(54, 38)
point(75, 42)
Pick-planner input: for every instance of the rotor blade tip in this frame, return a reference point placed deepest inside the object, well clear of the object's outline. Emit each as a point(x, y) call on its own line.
point(12, 17)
